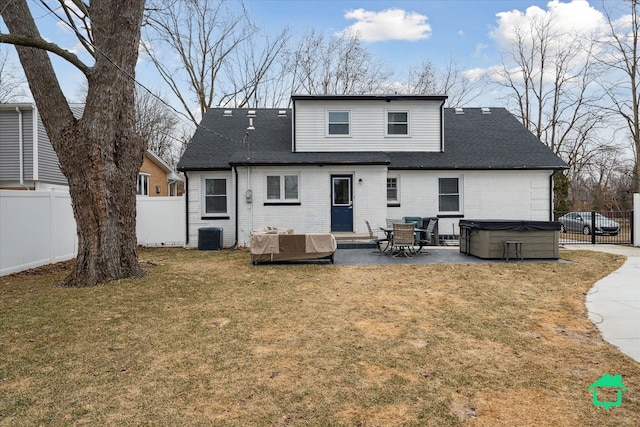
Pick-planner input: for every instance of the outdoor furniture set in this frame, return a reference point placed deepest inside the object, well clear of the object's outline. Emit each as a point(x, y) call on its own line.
point(272, 244)
point(401, 238)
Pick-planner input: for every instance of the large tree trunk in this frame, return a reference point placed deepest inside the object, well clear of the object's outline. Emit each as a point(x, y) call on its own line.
point(100, 154)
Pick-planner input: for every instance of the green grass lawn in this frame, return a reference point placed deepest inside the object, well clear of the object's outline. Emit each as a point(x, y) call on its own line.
point(207, 339)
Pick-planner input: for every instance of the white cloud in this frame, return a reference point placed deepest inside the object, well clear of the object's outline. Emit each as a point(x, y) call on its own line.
point(574, 24)
point(479, 52)
point(390, 24)
point(574, 19)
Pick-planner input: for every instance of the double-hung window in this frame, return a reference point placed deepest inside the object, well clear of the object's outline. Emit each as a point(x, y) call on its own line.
point(215, 196)
point(449, 195)
point(338, 123)
point(393, 191)
point(143, 184)
point(397, 123)
point(282, 188)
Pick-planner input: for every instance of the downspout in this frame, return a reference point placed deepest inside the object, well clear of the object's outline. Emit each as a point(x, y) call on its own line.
point(293, 126)
point(21, 149)
point(551, 196)
point(442, 126)
point(235, 244)
point(186, 207)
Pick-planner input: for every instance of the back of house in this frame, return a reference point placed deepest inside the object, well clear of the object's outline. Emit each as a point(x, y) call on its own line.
point(331, 162)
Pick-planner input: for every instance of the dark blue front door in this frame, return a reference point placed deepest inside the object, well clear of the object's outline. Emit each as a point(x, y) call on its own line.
point(341, 203)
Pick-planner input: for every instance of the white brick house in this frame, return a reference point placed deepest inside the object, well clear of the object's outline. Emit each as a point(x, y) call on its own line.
point(332, 162)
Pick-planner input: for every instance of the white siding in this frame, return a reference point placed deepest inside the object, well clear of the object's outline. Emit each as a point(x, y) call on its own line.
point(368, 126)
point(312, 215)
point(196, 197)
point(519, 195)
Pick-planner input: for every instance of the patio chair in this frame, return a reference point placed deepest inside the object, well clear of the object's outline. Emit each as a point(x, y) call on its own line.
point(377, 240)
point(391, 221)
point(427, 236)
point(402, 241)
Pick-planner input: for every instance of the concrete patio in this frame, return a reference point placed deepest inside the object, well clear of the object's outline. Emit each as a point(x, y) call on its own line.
point(429, 255)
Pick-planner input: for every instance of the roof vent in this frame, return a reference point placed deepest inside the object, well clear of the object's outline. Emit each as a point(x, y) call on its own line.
point(282, 113)
point(459, 110)
point(251, 113)
point(486, 110)
point(227, 113)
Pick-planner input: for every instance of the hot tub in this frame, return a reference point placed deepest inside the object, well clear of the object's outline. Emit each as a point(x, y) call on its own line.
point(483, 237)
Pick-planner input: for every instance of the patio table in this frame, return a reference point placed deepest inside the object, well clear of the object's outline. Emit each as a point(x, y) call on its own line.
point(388, 231)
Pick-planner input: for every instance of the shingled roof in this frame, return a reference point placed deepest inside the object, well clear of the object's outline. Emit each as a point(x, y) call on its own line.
point(476, 139)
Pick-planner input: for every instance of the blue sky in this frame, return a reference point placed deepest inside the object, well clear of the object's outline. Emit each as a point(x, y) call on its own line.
point(456, 28)
point(401, 34)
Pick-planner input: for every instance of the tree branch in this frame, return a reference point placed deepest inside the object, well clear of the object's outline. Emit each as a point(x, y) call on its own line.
point(40, 43)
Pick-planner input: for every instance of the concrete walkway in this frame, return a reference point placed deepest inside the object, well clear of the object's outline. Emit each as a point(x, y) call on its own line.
point(614, 301)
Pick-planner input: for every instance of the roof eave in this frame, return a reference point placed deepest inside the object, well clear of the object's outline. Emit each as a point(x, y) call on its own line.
point(381, 97)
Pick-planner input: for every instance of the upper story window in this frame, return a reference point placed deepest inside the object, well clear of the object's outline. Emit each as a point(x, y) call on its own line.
point(143, 184)
point(282, 188)
point(338, 123)
point(397, 123)
point(449, 195)
point(215, 196)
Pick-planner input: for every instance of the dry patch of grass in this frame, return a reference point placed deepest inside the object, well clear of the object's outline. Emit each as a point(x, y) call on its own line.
point(205, 338)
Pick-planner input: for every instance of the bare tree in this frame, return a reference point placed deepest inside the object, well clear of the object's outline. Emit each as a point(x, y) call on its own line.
point(255, 75)
point(157, 124)
point(549, 74)
point(100, 154)
point(337, 66)
point(209, 53)
point(11, 83)
point(461, 88)
point(423, 80)
point(622, 84)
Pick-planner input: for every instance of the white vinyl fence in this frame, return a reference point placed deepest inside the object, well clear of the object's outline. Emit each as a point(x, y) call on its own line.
point(38, 228)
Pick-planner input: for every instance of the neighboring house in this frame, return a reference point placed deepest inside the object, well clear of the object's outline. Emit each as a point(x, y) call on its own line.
point(157, 178)
point(28, 161)
point(332, 162)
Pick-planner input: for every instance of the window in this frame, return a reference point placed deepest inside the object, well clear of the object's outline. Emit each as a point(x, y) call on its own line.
point(338, 123)
point(449, 195)
point(215, 196)
point(392, 190)
point(397, 123)
point(282, 188)
point(143, 184)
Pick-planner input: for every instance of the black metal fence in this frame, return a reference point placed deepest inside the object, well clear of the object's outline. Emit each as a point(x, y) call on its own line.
point(594, 227)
